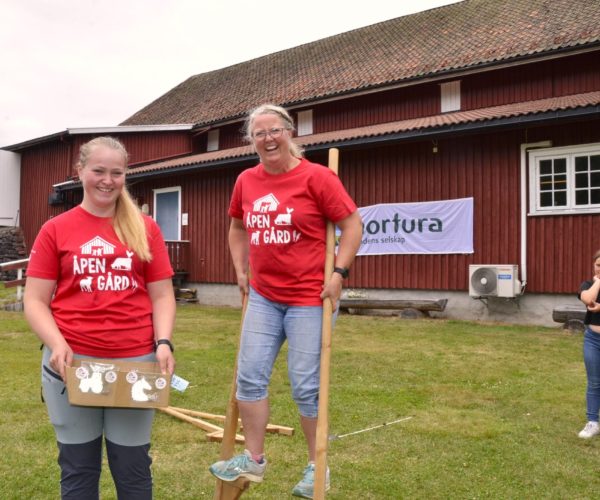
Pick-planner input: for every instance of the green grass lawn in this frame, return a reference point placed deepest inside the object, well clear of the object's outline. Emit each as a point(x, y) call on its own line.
point(495, 413)
point(7, 295)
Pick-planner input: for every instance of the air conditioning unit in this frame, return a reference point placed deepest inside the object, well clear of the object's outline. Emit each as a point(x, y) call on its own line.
point(500, 280)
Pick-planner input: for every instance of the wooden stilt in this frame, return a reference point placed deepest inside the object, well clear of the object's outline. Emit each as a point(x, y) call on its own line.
point(233, 490)
point(323, 416)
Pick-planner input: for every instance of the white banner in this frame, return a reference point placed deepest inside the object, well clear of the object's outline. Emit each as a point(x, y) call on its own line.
point(433, 227)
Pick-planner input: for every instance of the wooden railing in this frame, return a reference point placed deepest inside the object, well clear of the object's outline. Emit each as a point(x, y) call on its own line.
point(19, 266)
point(179, 254)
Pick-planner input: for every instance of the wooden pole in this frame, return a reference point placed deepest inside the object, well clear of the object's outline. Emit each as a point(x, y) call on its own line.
point(271, 428)
point(323, 417)
point(232, 490)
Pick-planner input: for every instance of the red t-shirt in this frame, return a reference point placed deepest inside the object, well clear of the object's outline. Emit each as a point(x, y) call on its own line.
point(285, 216)
point(100, 304)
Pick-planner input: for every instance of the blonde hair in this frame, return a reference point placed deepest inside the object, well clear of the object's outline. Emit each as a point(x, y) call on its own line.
point(128, 221)
point(272, 109)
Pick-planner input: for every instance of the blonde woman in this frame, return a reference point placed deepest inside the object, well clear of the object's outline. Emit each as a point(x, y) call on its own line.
point(279, 211)
point(99, 285)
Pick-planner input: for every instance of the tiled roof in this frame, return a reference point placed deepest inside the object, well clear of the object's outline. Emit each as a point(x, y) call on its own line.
point(459, 36)
point(486, 116)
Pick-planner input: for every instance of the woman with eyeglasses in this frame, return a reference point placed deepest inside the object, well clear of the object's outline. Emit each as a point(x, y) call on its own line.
point(279, 211)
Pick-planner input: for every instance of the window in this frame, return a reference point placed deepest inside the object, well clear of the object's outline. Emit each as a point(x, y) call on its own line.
point(450, 96)
point(305, 122)
point(167, 212)
point(564, 180)
point(213, 140)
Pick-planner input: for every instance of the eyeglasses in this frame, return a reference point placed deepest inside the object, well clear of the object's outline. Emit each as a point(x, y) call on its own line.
point(262, 134)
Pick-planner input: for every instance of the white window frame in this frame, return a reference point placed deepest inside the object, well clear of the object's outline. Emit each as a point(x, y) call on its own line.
point(450, 96)
point(569, 153)
point(170, 190)
point(212, 140)
point(305, 122)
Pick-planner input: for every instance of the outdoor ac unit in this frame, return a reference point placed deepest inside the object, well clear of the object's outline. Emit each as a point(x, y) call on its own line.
point(494, 280)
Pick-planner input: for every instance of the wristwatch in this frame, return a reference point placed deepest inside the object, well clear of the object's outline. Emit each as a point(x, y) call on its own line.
point(342, 270)
point(164, 341)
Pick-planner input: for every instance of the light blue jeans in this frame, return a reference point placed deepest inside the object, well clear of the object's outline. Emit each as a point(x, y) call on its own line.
point(591, 358)
point(266, 327)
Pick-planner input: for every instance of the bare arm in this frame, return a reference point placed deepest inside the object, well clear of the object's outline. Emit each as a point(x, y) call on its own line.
point(239, 248)
point(351, 228)
point(163, 319)
point(588, 297)
point(36, 300)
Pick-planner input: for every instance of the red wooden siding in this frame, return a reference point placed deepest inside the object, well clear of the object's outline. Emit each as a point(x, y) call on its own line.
point(393, 105)
point(483, 167)
point(536, 81)
point(231, 136)
point(41, 167)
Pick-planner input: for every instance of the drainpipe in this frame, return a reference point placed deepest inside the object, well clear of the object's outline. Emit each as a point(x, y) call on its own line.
point(524, 148)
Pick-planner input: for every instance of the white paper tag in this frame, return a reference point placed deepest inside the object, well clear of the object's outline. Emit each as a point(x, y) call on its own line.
point(178, 383)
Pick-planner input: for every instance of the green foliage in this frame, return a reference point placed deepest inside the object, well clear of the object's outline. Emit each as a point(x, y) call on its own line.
point(495, 413)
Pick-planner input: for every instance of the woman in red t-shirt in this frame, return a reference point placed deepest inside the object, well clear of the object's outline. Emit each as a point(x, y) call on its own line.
point(279, 212)
point(99, 285)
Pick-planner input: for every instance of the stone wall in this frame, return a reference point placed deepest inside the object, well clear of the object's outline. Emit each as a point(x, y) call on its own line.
point(12, 247)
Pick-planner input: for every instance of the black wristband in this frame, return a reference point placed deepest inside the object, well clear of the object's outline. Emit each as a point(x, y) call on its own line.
point(164, 341)
point(341, 270)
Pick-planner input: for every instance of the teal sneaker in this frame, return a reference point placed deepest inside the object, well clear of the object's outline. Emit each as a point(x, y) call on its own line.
point(305, 488)
point(239, 466)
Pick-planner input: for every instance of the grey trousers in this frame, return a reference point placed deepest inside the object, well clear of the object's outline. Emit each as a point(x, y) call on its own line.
point(79, 431)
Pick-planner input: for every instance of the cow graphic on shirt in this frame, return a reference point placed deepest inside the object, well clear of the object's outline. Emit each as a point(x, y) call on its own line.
point(101, 269)
point(123, 263)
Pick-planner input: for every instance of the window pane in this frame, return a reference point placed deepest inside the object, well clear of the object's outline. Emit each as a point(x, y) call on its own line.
point(581, 197)
point(560, 165)
point(581, 163)
point(545, 167)
point(581, 180)
point(595, 179)
point(560, 182)
point(546, 199)
point(546, 183)
point(595, 196)
point(595, 162)
point(560, 199)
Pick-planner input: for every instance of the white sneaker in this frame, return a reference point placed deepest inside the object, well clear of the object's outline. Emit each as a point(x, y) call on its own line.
point(590, 430)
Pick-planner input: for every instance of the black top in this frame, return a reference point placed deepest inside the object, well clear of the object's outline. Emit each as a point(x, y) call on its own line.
point(591, 318)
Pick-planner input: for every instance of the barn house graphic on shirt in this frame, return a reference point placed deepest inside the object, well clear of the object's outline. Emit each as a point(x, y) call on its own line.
point(268, 225)
point(97, 273)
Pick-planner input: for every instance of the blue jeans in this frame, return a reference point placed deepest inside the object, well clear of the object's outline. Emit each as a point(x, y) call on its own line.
point(591, 358)
point(266, 327)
